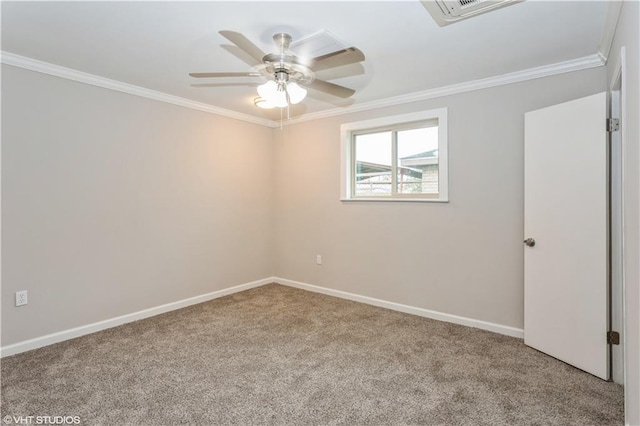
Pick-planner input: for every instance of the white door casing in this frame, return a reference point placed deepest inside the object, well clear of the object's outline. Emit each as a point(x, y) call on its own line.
point(616, 240)
point(566, 208)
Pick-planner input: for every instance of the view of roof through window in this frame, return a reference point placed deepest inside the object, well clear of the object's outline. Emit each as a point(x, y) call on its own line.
point(416, 162)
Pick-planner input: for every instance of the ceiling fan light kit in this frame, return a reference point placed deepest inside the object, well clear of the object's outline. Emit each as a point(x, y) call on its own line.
point(296, 93)
point(286, 72)
point(280, 94)
point(273, 94)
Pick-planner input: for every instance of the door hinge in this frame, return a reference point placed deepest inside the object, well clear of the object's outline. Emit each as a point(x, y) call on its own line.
point(613, 125)
point(613, 338)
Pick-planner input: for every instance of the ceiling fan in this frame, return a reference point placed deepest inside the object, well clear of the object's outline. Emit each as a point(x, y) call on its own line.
point(286, 72)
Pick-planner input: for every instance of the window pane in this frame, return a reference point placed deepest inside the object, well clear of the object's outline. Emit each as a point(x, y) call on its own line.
point(418, 161)
point(372, 154)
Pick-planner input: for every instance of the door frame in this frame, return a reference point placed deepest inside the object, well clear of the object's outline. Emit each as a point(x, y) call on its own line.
point(617, 109)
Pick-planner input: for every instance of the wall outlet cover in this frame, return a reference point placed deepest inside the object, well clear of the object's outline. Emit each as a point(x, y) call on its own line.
point(21, 297)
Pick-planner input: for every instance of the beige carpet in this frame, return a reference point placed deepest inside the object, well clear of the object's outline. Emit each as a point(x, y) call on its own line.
point(277, 355)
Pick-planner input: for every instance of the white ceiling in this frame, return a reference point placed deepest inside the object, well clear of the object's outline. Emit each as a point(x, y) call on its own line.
point(156, 44)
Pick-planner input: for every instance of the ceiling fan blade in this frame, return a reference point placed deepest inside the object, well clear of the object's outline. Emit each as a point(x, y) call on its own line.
point(330, 88)
point(224, 74)
point(224, 84)
point(341, 72)
point(347, 56)
point(245, 44)
point(240, 54)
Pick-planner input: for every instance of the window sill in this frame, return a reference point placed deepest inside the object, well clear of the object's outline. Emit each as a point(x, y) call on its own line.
point(398, 199)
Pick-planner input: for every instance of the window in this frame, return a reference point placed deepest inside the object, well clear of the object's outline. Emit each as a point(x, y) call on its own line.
point(399, 158)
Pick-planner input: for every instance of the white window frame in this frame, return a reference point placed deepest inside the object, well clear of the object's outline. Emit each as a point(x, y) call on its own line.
point(346, 146)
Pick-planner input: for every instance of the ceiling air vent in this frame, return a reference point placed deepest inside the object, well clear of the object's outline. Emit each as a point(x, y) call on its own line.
point(446, 12)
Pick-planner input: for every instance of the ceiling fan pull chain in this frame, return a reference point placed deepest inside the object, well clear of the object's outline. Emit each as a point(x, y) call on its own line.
point(288, 104)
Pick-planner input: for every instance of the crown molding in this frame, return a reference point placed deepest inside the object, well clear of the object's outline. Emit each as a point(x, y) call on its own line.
point(611, 22)
point(591, 61)
point(12, 59)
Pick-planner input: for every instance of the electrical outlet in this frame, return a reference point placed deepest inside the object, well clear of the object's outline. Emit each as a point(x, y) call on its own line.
point(21, 298)
point(318, 260)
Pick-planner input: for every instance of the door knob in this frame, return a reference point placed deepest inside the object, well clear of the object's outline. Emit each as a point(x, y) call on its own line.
point(530, 242)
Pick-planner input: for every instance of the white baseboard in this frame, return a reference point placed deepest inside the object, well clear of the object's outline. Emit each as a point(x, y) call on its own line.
point(60, 336)
point(440, 316)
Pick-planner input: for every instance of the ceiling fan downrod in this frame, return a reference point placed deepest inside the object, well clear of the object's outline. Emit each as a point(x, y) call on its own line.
point(282, 40)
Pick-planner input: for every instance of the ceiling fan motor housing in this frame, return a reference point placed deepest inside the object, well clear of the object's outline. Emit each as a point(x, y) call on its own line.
point(278, 64)
point(285, 65)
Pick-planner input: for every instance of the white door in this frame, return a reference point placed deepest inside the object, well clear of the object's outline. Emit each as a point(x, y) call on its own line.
point(565, 272)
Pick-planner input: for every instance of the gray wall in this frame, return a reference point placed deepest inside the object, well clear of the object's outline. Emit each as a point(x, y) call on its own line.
point(464, 257)
point(628, 35)
point(112, 203)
